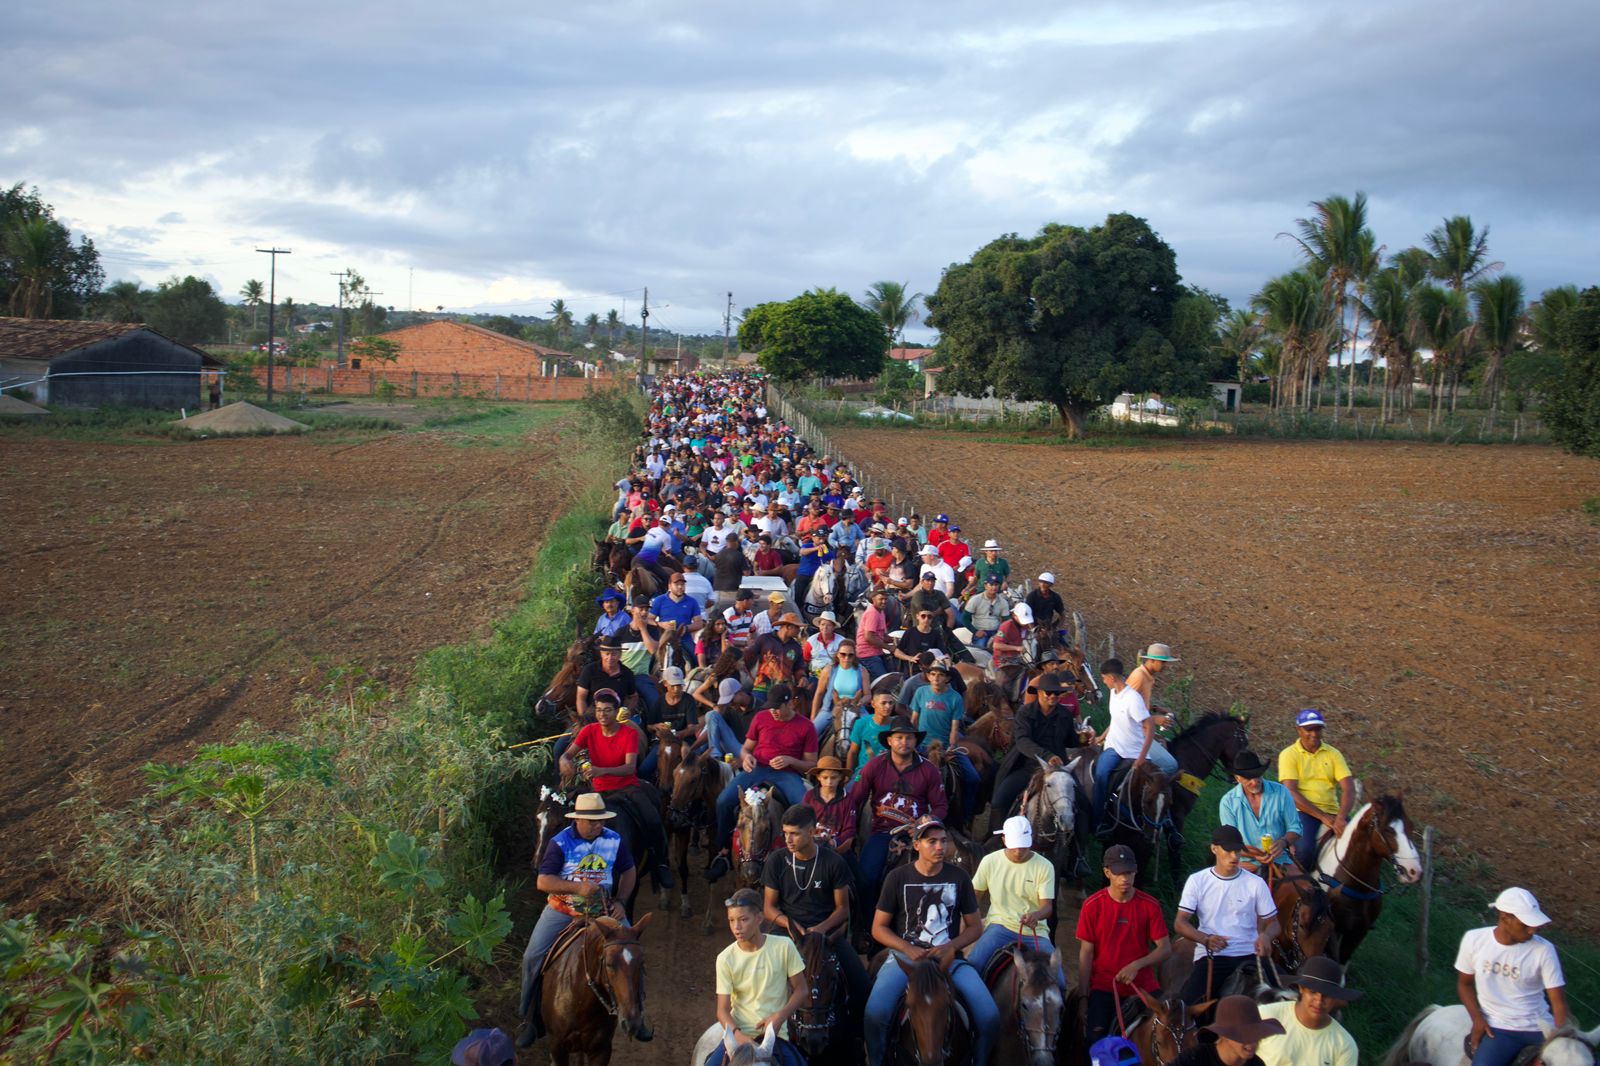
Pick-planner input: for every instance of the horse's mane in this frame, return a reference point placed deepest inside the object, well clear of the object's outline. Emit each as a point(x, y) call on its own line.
point(1201, 724)
point(1389, 808)
point(571, 666)
point(814, 951)
point(923, 982)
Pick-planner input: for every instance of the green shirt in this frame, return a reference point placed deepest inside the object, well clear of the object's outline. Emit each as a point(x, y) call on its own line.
point(984, 568)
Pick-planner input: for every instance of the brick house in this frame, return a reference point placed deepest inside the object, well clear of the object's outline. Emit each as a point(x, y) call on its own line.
point(447, 347)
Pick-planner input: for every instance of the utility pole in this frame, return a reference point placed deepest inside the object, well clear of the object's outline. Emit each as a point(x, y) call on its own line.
point(338, 319)
point(727, 331)
point(272, 306)
point(411, 284)
point(644, 334)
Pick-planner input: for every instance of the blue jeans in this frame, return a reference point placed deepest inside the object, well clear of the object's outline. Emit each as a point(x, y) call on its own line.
point(1107, 764)
point(551, 924)
point(997, 937)
point(649, 693)
point(783, 1054)
point(1305, 849)
point(647, 765)
point(890, 988)
point(875, 665)
point(790, 785)
point(983, 639)
point(720, 738)
point(1504, 1047)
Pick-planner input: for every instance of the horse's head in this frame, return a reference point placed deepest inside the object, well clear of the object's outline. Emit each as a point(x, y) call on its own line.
point(929, 1008)
point(602, 554)
point(814, 1022)
point(756, 831)
point(1173, 1029)
point(549, 816)
point(1150, 797)
point(749, 1054)
point(620, 976)
point(1039, 1004)
point(689, 788)
point(1392, 827)
point(1311, 926)
point(1060, 790)
point(1569, 1046)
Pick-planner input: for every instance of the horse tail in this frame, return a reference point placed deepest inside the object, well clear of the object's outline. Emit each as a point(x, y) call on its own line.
point(1399, 1053)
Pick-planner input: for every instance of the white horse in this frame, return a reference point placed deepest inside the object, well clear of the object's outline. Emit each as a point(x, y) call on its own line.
point(1437, 1037)
point(738, 1054)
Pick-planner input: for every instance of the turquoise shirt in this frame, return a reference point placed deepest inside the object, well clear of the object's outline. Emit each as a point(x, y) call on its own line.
point(1276, 820)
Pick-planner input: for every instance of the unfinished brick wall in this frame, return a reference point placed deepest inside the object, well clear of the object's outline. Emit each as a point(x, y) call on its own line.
point(408, 383)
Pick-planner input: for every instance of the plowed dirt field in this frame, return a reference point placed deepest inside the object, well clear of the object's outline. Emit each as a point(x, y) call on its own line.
point(157, 594)
point(1441, 605)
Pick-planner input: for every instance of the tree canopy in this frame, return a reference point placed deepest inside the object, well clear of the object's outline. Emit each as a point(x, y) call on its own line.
point(42, 273)
point(189, 311)
point(1072, 317)
point(1573, 408)
point(821, 332)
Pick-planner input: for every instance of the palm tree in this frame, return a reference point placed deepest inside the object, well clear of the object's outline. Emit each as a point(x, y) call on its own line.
point(1338, 248)
point(613, 323)
point(1444, 326)
point(1365, 261)
point(1544, 317)
point(254, 294)
point(1388, 303)
point(31, 247)
point(894, 308)
point(1292, 307)
point(1457, 253)
point(591, 326)
point(123, 301)
point(288, 314)
point(1237, 339)
point(561, 319)
point(1500, 320)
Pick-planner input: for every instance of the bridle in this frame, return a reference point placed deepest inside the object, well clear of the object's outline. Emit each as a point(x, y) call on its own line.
point(806, 1020)
point(1381, 848)
point(603, 994)
point(1048, 1037)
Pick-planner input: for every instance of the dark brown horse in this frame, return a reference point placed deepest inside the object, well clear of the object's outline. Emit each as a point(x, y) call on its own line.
point(697, 779)
point(1143, 808)
point(1167, 1030)
point(1031, 1009)
point(595, 984)
point(995, 731)
point(819, 1025)
point(1208, 746)
point(1351, 867)
point(932, 1031)
point(559, 703)
point(612, 558)
point(1305, 919)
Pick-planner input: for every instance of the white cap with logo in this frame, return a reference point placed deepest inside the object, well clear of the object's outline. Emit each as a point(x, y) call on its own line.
point(1521, 905)
point(1016, 833)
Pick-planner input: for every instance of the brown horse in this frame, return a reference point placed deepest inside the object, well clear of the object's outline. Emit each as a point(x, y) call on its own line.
point(612, 558)
point(819, 1024)
point(995, 731)
point(931, 1030)
point(1167, 1030)
point(697, 779)
point(1305, 918)
point(594, 984)
point(1143, 808)
point(560, 699)
point(757, 832)
point(1031, 1008)
point(1351, 866)
point(1209, 744)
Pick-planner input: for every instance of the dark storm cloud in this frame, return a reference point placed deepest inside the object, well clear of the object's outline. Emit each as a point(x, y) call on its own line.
point(771, 150)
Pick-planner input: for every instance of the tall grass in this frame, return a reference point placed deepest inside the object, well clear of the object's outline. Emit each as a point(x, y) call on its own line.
point(326, 893)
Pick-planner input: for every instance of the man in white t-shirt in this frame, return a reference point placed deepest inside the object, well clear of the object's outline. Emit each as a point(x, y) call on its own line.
point(715, 536)
point(944, 578)
point(1131, 735)
point(772, 524)
point(1504, 974)
point(1229, 912)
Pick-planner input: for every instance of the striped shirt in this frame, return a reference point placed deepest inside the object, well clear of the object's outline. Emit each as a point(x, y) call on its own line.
point(739, 626)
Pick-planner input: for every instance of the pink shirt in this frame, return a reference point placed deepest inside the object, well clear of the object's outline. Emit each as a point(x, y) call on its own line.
point(872, 621)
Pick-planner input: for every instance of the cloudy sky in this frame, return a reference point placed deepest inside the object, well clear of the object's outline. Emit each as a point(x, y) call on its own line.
point(500, 155)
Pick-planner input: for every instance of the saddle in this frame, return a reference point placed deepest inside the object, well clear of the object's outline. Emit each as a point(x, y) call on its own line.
point(569, 936)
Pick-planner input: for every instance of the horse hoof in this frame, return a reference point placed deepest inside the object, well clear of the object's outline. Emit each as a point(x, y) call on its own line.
point(686, 912)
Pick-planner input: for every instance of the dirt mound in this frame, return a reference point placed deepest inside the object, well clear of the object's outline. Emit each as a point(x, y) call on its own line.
point(240, 417)
point(11, 407)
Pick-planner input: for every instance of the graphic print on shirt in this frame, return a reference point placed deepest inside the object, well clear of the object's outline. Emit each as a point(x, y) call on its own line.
point(593, 868)
point(930, 911)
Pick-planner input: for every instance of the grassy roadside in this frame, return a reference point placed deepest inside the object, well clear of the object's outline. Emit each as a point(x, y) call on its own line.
point(326, 893)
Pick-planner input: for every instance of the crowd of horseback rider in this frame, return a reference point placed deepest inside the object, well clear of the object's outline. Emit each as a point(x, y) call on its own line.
point(828, 695)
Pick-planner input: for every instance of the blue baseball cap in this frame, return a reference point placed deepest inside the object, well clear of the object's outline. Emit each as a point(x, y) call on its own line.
point(1114, 1051)
point(1309, 717)
point(941, 518)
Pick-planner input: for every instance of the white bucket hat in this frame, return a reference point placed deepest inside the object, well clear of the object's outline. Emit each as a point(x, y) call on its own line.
point(991, 545)
point(1048, 578)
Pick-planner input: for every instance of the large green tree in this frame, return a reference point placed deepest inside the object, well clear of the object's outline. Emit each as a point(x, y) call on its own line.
point(1070, 317)
point(1573, 408)
point(43, 274)
point(188, 310)
point(821, 333)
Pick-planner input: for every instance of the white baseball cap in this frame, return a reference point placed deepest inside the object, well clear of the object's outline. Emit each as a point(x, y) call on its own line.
point(1520, 904)
point(1023, 614)
point(1048, 578)
point(1016, 833)
point(929, 549)
point(672, 676)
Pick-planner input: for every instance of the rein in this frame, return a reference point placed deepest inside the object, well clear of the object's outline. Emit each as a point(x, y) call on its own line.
point(1047, 1039)
point(801, 1020)
point(1368, 891)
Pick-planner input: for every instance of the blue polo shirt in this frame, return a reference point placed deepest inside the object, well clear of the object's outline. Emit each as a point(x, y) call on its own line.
point(1277, 816)
point(682, 611)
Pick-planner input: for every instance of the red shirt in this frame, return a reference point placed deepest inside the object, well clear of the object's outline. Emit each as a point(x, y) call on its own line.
point(793, 738)
point(937, 536)
point(952, 552)
point(1121, 933)
point(768, 559)
point(609, 751)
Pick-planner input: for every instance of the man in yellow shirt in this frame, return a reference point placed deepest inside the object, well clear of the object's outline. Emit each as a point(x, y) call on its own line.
point(1310, 1033)
point(1320, 782)
point(760, 982)
point(1020, 887)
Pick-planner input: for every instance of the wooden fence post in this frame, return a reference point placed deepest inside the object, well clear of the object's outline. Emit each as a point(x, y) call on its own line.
point(413, 383)
point(1425, 904)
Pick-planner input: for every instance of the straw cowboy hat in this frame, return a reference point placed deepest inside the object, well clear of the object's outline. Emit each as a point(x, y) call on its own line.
point(590, 806)
point(1160, 653)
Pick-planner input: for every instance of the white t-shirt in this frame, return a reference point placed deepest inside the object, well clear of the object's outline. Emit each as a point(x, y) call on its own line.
point(658, 538)
point(1228, 906)
point(698, 588)
point(1511, 979)
point(714, 539)
point(1125, 735)
point(944, 578)
point(773, 525)
point(818, 654)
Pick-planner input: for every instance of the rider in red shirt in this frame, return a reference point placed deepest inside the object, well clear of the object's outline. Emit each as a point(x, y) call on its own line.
point(1122, 939)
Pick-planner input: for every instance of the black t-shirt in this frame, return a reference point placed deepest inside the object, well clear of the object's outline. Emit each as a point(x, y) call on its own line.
point(806, 886)
point(932, 599)
point(680, 715)
point(594, 678)
point(927, 910)
point(729, 567)
point(1046, 606)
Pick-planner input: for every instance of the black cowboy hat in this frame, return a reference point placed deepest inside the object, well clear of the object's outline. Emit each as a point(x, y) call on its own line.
point(1050, 683)
point(1248, 764)
point(900, 724)
point(1322, 974)
point(609, 644)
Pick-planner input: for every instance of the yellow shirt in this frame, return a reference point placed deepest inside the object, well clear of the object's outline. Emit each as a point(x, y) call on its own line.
point(1331, 1045)
point(1015, 888)
point(1318, 774)
point(757, 982)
